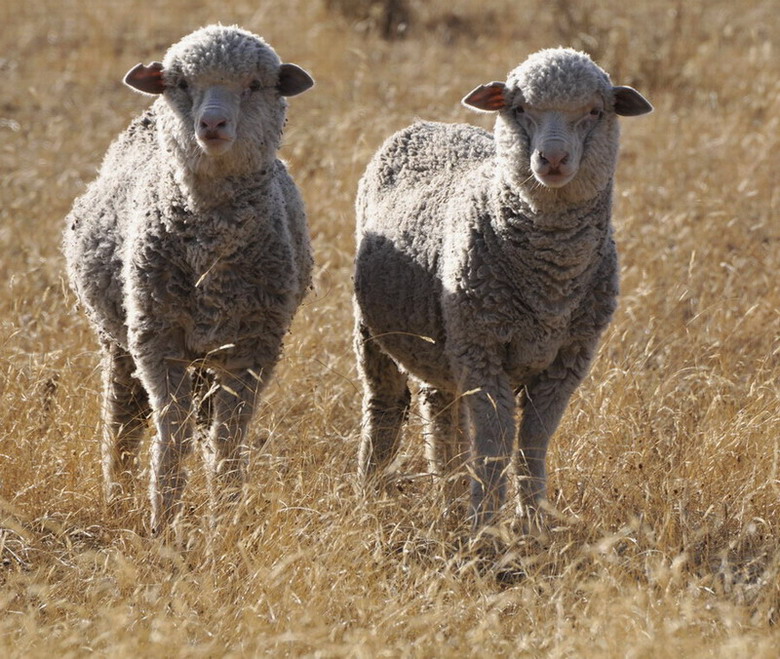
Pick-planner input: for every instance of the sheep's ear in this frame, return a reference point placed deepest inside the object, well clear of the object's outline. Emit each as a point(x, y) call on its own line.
point(146, 79)
point(487, 98)
point(293, 80)
point(630, 103)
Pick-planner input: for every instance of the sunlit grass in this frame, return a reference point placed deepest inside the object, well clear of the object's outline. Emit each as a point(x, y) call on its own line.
point(664, 472)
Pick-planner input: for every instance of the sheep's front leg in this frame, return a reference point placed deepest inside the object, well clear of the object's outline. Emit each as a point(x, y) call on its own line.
point(169, 387)
point(232, 402)
point(490, 405)
point(544, 403)
point(125, 413)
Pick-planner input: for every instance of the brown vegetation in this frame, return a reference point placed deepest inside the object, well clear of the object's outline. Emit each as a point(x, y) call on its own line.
point(664, 470)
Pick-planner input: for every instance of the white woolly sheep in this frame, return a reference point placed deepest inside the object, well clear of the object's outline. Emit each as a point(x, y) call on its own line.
point(190, 254)
point(486, 270)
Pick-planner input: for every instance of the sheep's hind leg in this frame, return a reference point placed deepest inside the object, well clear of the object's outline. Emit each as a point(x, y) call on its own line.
point(445, 445)
point(203, 388)
point(386, 401)
point(125, 415)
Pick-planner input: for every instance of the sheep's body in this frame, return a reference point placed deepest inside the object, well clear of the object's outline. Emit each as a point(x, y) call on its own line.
point(483, 285)
point(186, 253)
point(222, 271)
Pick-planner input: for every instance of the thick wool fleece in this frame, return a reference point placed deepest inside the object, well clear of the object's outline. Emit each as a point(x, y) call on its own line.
point(178, 257)
point(482, 284)
point(548, 76)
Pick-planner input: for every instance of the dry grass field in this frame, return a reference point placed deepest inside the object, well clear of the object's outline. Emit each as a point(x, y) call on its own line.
point(665, 471)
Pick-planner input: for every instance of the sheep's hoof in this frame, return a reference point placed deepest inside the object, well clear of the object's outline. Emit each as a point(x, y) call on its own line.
point(490, 553)
point(534, 520)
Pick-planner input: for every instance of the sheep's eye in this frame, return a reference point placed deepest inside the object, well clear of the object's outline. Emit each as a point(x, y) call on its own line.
point(183, 84)
point(595, 112)
point(255, 86)
point(519, 110)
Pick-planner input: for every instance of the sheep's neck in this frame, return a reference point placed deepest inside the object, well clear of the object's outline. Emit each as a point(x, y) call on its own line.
point(555, 254)
point(203, 191)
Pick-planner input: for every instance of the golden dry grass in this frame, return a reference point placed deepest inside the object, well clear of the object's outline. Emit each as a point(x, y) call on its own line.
point(665, 469)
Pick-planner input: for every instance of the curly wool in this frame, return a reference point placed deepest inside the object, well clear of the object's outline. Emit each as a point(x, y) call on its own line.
point(552, 74)
point(247, 216)
point(214, 50)
point(439, 234)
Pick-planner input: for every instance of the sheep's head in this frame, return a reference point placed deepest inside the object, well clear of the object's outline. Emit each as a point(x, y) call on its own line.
point(556, 125)
point(225, 88)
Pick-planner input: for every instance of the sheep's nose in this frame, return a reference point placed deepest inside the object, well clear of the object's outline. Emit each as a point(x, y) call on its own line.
point(554, 157)
point(212, 121)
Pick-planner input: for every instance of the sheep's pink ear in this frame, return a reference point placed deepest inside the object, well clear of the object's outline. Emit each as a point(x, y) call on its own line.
point(487, 98)
point(146, 79)
point(293, 80)
point(630, 103)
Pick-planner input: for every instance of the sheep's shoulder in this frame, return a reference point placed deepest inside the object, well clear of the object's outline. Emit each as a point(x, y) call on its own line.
point(133, 146)
point(127, 163)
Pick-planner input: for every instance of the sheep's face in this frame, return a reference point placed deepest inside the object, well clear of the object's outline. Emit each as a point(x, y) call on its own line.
point(557, 131)
point(219, 113)
point(223, 108)
point(556, 137)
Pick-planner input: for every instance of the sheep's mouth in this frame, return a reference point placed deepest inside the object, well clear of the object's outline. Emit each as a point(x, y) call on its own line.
point(215, 145)
point(554, 178)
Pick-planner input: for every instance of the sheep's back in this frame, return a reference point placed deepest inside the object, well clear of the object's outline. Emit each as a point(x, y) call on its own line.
point(424, 151)
point(416, 176)
point(406, 206)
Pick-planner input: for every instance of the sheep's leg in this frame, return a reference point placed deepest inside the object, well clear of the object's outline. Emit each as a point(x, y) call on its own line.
point(125, 413)
point(170, 393)
point(544, 403)
point(445, 447)
point(203, 403)
point(386, 401)
point(491, 407)
point(233, 402)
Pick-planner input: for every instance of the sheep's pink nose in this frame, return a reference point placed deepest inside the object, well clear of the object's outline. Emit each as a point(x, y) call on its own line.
point(212, 121)
point(554, 157)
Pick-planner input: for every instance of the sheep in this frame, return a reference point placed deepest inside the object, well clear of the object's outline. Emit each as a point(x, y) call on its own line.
point(486, 271)
point(190, 254)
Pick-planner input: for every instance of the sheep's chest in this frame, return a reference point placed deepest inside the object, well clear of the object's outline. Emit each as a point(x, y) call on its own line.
point(227, 285)
point(532, 350)
point(221, 304)
point(526, 322)
point(526, 293)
